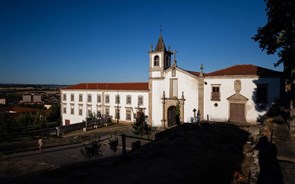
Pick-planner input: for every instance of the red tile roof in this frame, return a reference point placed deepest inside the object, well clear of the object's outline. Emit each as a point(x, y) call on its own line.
point(246, 70)
point(194, 73)
point(16, 109)
point(111, 86)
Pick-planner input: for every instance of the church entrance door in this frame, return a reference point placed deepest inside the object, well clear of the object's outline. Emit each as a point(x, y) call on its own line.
point(171, 115)
point(237, 112)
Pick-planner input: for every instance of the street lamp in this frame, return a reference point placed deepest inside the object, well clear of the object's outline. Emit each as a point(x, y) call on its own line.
point(194, 110)
point(118, 112)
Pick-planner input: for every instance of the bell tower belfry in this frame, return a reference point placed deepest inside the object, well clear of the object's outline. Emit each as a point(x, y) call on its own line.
point(160, 60)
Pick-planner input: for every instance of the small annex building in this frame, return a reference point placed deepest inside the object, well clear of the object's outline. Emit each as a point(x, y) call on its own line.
point(240, 93)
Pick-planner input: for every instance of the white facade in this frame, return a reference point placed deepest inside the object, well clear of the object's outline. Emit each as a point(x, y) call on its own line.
point(186, 86)
point(220, 110)
point(75, 110)
point(241, 93)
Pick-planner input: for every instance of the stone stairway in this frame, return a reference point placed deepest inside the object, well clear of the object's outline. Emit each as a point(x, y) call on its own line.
point(285, 152)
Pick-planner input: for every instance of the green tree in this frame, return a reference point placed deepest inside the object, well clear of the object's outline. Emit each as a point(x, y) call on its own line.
point(54, 113)
point(23, 120)
point(177, 114)
point(92, 150)
point(278, 37)
point(114, 143)
point(140, 126)
point(6, 123)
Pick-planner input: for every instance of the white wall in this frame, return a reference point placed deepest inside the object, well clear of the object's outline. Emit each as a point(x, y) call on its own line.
point(157, 106)
point(188, 84)
point(76, 118)
point(248, 87)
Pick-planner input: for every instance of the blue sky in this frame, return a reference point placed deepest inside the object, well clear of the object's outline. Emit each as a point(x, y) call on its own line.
point(71, 41)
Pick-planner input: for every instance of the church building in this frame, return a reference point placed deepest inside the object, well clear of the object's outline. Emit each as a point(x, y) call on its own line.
point(240, 93)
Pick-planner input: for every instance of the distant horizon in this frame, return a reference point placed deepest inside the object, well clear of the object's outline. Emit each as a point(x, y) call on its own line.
point(27, 84)
point(102, 81)
point(106, 81)
point(66, 42)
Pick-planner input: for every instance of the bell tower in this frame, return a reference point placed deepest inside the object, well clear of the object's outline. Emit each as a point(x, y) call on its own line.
point(160, 58)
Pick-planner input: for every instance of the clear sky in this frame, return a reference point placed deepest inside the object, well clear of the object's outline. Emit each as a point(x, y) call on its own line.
point(74, 41)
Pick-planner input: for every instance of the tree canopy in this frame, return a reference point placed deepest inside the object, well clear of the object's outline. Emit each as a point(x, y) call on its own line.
point(277, 36)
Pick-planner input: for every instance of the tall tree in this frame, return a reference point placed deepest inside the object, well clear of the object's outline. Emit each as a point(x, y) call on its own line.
point(54, 113)
point(278, 37)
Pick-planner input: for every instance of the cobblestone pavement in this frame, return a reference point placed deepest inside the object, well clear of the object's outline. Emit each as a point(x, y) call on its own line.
point(285, 152)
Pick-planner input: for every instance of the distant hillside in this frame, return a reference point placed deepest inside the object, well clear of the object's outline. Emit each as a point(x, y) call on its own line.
point(12, 85)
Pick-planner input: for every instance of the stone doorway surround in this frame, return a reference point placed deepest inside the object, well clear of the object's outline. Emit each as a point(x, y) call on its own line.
point(168, 102)
point(237, 104)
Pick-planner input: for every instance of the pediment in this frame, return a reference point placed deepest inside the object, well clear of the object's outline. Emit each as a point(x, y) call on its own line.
point(171, 69)
point(237, 98)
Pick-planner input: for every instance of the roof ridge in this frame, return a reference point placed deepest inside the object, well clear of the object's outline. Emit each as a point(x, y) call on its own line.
point(245, 69)
point(109, 82)
point(111, 86)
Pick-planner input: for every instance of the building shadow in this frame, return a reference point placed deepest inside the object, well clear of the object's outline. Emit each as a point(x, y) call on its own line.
point(188, 153)
point(270, 170)
point(269, 91)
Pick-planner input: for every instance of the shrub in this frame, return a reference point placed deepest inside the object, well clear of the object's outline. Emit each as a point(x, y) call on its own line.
point(92, 150)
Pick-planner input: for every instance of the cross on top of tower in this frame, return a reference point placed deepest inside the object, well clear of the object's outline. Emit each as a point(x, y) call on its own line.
point(175, 62)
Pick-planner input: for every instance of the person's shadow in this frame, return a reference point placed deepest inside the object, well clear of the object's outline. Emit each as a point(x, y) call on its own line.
point(270, 170)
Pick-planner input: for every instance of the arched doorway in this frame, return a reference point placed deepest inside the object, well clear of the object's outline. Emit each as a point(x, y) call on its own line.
point(171, 115)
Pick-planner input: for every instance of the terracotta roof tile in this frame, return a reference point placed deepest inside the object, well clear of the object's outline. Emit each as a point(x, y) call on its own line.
point(246, 70)
point(194, 73)
point(17, 109)
point(111, 86)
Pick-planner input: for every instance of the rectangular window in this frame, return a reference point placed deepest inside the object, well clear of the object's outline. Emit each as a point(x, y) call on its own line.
point(72, 97)
point(80, 110)
point(262, 93)
point(107, 111)
point(174, 88)
point(117, 99)
point(80, 98)
point(128, 100)
point(128, 114)
point(107, 100)
point(117, 115)
point(64, 109)
point(98, 113)
point(215, 93)
point(140, 100)
point(72, 109)
point(89, 111)
point(98, 98)
point(64, 97)
point(89, 98)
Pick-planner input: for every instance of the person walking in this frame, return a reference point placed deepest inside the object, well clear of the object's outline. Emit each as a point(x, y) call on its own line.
point(40, 144)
